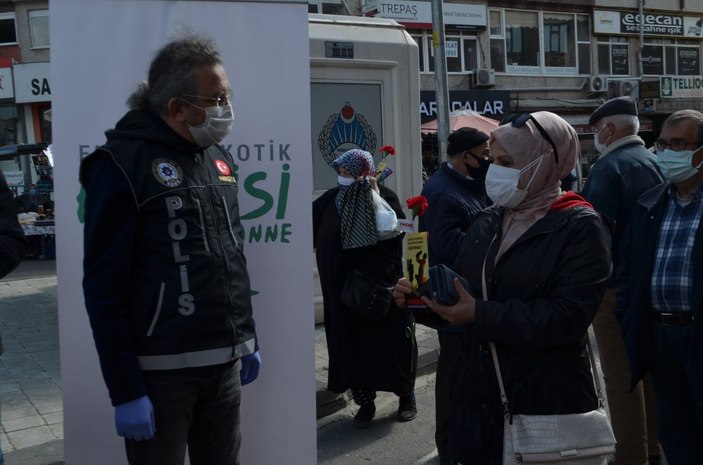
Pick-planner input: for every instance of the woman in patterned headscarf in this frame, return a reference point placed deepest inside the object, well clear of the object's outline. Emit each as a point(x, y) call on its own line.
point(365, 355)
point(544, 257)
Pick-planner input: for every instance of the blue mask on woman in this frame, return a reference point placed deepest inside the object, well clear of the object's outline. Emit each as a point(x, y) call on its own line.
point(677, 166)
point(32, 192)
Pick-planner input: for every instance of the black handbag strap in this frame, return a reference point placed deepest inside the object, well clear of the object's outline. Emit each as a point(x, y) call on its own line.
point(494, 354)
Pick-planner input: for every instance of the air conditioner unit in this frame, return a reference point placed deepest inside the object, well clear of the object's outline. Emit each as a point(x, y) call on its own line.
point(621, 88)
point(597, 84)
point(483, 77)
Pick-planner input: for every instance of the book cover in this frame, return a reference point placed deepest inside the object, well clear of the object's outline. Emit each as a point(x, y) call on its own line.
point(416, 269)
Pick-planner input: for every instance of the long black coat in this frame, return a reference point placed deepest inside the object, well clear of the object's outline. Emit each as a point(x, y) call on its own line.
point(542, 295)
point(379, 355)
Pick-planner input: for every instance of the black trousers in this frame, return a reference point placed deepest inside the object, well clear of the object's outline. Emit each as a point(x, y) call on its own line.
point(197, 407)
point(449, 350)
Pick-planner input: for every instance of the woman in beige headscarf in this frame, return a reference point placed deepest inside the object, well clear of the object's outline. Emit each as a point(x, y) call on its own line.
point(545, 256)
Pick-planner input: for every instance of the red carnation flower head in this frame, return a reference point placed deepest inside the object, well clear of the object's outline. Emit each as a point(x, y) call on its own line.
point(418, 205)
point(387, 150)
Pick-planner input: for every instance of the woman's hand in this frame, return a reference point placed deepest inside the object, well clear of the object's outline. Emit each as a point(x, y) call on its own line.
point(401, 291)
point(372, 180)
point(462, 312)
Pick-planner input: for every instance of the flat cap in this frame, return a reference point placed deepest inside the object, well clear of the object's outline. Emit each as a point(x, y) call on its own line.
point(617, 106)
point(465, 139)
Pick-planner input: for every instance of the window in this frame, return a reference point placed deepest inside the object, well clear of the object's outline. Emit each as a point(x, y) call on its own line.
point(8, 33)
point(39, 28)
point(613, 56)
point(497, 39)
point(522, 41)
point(531, 42)
point(461, 52)
point(668, 56)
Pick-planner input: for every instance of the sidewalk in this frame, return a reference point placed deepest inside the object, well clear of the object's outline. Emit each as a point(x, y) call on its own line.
point(31, 407)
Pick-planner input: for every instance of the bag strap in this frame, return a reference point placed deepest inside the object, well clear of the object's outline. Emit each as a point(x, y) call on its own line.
point(494, 355)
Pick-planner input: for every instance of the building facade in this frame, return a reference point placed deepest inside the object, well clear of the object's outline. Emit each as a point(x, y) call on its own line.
point(565, 56)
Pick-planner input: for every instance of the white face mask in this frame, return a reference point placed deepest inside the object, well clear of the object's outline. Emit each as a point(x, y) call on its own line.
point(343, 181)
point(217, 125)
point(600, 147)
point(501, 184)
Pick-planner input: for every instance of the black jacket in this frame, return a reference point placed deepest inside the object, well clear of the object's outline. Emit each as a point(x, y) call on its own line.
point(542, 295)
point(165, 283)
point(12, 241)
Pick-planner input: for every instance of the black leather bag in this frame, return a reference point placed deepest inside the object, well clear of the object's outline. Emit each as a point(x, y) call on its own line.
point(442, 283)
point(365, 297)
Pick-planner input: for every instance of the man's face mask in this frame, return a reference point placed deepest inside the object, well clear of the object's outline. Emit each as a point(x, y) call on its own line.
point(677, 166)
point(217, 125)
point(483, 165)
point(502, 181)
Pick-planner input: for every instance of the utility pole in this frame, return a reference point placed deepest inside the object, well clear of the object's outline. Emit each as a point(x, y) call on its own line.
point(440, 71)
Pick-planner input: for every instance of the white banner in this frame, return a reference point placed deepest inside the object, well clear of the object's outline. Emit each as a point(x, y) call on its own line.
point(100, 51)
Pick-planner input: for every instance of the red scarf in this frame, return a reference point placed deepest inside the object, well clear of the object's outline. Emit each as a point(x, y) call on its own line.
point(568, 200)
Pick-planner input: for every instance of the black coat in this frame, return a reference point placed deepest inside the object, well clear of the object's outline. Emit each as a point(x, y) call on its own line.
point(379, 355)
point(542, 295)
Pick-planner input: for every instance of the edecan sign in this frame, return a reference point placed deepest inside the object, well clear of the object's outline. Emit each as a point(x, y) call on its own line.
point(615, 22)
point(681, 86)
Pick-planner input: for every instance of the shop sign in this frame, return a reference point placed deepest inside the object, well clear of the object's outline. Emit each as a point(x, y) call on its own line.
point(681, 86)
point(615, 22)
point(32, 82)
point(14, 178)
point(495, 103)
point(419, 14)
point(6, 88)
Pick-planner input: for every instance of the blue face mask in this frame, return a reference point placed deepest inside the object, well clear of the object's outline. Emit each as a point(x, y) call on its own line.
point(32, 192)
point(677, 166)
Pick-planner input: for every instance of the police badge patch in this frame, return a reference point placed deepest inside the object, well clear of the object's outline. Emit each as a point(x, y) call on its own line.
point(167, 172)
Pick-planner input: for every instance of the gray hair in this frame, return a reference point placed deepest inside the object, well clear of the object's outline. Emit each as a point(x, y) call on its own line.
point(687, 115)
point(172, 72)
point(626, 123)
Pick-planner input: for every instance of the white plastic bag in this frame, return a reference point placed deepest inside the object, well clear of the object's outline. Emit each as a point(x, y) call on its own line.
point(386, 219)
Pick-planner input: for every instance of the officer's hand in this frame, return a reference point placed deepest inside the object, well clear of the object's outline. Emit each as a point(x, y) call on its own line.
point(135, 419)
point(251, 364)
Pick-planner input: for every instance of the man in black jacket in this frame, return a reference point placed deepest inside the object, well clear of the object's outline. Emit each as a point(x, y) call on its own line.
point(623, 172)
point(12, 241)
point(165, 279)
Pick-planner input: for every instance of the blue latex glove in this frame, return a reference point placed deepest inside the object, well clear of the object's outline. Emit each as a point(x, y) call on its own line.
point(250, 368)
point(135, 419)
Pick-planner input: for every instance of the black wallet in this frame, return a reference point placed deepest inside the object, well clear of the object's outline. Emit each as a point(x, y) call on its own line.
point(442, 283)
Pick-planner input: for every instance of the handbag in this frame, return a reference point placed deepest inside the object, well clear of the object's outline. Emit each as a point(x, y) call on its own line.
point(442, 284)
point(361, 294)
point(562, 439)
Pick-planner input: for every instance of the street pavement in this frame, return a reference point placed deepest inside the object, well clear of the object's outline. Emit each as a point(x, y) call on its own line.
point(31, 407)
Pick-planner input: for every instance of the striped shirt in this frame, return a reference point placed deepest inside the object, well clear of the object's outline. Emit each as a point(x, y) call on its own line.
point(672, 278)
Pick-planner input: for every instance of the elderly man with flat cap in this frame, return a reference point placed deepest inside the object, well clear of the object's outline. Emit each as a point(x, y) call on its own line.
point(455, 193)
point(624, 170)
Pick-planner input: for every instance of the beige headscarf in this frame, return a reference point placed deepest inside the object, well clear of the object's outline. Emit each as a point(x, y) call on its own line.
point(525, 145)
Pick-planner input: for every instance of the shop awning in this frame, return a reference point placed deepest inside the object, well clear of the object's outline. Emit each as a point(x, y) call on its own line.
point(11, 151)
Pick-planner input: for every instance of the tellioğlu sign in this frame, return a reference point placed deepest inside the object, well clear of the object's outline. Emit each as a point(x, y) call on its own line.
point(681, 86)
point(616, 22)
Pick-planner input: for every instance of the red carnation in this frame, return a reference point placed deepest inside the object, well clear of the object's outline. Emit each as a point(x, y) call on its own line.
point(387, 150)
point(418, 205)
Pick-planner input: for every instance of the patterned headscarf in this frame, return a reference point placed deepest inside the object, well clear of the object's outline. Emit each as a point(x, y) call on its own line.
point(354, 202)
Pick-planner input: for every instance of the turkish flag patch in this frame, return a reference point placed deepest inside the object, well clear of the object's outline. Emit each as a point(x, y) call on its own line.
point(222, 167)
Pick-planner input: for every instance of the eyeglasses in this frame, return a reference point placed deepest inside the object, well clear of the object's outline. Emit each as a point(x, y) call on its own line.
point(486, 156)
point(219, 101)
point(676, 145)
point(518, 120)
